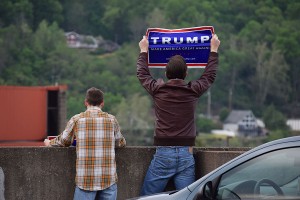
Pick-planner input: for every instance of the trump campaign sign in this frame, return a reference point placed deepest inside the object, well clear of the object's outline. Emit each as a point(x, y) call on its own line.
point(191, 43)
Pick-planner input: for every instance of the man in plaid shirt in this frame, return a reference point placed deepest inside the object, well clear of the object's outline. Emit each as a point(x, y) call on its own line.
point(97, 134)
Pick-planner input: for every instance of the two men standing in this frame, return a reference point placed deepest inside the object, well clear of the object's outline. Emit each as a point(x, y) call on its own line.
point(98, 133)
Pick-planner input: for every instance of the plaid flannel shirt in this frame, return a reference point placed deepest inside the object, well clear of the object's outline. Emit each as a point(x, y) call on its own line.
point(97, 134)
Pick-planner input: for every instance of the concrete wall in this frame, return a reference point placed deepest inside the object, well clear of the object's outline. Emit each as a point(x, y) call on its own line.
point(48, 173)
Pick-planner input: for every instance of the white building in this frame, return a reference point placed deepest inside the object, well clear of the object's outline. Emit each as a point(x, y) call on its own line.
point(243, 123)
point(75, 40)
point(294, 124)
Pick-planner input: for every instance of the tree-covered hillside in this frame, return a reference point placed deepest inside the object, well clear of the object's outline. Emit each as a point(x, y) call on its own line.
point(259, 53)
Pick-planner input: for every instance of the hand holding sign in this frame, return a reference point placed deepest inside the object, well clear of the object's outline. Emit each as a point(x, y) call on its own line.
point(144, 44)
point(214, 43)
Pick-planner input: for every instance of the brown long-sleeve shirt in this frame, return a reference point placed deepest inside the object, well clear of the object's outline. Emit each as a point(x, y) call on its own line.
point(175, 102)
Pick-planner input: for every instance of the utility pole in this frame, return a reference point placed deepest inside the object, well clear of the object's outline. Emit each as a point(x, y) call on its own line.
point(208, 104)
point(230, 99)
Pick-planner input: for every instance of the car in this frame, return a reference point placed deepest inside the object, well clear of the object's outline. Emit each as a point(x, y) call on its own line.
point(269, 171)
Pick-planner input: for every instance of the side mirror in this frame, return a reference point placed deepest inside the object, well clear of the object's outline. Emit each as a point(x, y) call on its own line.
point(205, 192)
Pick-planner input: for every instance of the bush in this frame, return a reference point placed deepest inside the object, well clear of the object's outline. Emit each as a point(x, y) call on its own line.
point(205, 125)
point(274, 119)
point(224, 114)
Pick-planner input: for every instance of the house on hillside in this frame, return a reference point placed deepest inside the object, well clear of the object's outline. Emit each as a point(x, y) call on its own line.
point(244, 123)
point(74, 40)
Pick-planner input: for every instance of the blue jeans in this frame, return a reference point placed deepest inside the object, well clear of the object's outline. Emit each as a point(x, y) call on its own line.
point(169, 162)
point(109, 193)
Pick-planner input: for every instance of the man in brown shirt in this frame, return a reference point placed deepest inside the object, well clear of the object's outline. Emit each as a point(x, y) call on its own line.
point(174, 104)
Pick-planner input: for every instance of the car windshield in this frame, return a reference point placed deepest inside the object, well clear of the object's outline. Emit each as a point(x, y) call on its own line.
point(281, 167)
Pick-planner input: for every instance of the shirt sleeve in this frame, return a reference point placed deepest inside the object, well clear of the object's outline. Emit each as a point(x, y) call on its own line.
point(119, 138)
point(66, 138)
point(143, 74)
point(208, 76)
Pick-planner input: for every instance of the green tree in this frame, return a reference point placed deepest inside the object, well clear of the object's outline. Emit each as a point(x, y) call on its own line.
point(49, 46)
point(16, 12)
point(16, 55)
point(278, 134)
point(259, 53)
point(48, 10)
point(205, 125)
point(224, 112)
point(135, 118)
point(116, 20)
point(157, 18)
point(274, 119)
point(271, 75)
point(111, 101)
point(134, 113)
point(75, 105)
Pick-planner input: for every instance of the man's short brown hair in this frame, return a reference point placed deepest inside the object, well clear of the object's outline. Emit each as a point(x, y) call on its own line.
point(176, 68)
point(94, 96)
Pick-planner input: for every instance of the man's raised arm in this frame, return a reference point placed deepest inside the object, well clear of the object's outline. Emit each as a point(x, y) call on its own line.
point(209, 75)
point(142, 71)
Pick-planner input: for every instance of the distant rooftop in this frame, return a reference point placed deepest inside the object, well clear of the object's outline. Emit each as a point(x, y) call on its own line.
point(237, 115)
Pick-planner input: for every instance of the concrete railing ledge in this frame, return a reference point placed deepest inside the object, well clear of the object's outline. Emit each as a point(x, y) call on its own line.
point(49, 172)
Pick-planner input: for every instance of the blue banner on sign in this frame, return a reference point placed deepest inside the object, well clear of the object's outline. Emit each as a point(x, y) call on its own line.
point(191, 43)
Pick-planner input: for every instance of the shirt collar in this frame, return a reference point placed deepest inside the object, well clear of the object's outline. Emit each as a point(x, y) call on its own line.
point(176, 81)
point(94, 108)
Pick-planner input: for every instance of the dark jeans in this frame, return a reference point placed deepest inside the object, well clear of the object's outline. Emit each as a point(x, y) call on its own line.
point(169, 162)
